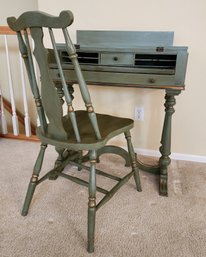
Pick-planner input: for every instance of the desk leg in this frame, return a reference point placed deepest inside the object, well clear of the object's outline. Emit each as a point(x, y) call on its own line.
point(165, 148)
point(61, 92)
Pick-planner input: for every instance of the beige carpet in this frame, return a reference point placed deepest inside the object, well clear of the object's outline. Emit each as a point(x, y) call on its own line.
point(132, 224)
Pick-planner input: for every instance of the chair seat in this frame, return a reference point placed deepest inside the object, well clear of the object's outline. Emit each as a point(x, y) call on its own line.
point(109, 126)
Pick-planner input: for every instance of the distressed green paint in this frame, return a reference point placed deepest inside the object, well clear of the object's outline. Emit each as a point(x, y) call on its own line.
point(138, 59)
point(133, 160)
point(77, 131)
point(92, 201)
point(165, 148)
point(115, 53)
point(34, 180)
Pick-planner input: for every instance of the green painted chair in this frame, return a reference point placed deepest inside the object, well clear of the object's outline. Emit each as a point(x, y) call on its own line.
point(78, 131)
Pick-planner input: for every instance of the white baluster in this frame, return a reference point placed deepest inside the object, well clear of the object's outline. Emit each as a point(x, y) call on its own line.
point(27, 122)
point(2, 116)
point(15, 123)
point(36, 72)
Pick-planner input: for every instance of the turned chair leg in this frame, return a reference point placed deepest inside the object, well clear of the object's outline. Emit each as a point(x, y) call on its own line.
point(34, 180)
point(133, 161)
point(92, 202)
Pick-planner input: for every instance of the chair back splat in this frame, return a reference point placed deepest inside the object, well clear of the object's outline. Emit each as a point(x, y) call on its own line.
point(77, 130)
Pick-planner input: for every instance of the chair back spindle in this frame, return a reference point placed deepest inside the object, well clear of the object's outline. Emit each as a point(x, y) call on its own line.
point(25, 49)
point(67, 95)
point(82, 85)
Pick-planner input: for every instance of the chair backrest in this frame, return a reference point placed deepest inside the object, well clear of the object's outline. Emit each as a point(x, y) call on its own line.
point(48, 103)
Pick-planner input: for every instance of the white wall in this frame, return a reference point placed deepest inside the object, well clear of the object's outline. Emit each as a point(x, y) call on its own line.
point(15, 8)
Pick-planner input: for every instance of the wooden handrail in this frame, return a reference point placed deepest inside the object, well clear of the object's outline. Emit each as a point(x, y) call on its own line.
point(5, 30)
point(7, 106)
point(20, 137)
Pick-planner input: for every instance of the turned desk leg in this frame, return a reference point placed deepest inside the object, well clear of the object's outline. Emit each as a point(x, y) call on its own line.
point(165, 148)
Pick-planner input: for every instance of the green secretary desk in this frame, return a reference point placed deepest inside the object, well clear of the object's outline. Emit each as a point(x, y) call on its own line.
point(138, 59)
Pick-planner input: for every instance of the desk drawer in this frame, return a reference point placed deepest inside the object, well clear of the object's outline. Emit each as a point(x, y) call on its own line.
point(117, 59)
point(121, 79)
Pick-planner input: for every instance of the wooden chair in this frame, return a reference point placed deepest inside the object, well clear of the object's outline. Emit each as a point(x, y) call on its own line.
point(77, 131)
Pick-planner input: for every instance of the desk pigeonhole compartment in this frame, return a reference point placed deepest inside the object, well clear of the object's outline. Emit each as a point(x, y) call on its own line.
point(136, 58)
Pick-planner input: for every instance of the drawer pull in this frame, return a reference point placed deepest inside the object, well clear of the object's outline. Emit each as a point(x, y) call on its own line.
point(115, 58)
point(151, 80)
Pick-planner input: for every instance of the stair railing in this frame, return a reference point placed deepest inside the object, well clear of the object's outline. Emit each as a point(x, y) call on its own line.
point(10, 105)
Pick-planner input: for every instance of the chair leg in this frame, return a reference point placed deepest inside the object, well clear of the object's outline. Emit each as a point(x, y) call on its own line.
point(34, 180)
point(92, 202)
point(133, 161)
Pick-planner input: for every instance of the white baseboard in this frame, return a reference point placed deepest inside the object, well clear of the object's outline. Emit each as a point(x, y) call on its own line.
point(174, 156)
